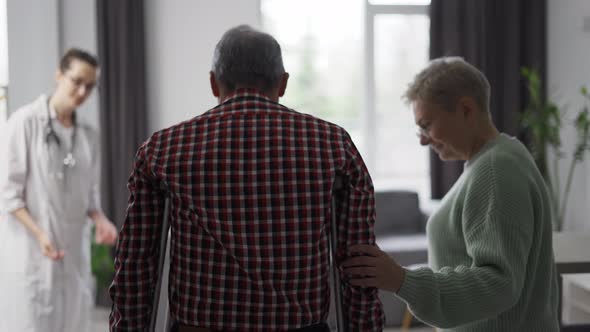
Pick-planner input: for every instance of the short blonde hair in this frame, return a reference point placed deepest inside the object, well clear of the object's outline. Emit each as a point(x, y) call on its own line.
point(447, 79)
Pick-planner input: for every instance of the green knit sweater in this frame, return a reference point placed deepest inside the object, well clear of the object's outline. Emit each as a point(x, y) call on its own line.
point(490, 249)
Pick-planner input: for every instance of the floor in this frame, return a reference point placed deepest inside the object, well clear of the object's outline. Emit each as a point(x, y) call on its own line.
point(101, 318)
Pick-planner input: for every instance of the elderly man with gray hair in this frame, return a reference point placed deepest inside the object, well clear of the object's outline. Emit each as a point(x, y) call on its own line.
point(490, 245)
point(250, 183)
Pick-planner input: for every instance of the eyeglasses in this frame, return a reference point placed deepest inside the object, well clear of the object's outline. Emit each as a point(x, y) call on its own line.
point(78, 82)
point(422, 133)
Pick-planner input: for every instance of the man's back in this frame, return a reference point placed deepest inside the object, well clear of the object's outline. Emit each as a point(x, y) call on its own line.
point(250, 182)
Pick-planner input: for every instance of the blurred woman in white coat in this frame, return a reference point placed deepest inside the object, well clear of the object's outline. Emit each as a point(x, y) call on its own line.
point(48, 190)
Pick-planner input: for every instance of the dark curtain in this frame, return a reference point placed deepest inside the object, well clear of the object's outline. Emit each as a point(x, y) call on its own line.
point(123, 113)
point(498, 37)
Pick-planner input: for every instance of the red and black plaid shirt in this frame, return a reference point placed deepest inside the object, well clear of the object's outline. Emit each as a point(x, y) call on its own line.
point(251, 183)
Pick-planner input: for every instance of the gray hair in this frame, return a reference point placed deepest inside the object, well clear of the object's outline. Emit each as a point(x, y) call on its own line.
point(249, 58)
point(447, 79)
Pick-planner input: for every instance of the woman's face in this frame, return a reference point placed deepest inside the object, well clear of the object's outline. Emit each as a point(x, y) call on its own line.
point(442, 129)
point(75, 84)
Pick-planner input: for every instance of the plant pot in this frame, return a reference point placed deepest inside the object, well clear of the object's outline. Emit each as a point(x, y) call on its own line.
point(101, 294)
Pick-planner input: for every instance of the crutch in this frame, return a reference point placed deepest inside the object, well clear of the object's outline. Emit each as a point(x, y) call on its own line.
point(337, 192)
point(161, 261)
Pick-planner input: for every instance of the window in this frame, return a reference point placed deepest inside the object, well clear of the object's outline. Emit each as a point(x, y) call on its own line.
point(350, 62)
point(3, 63)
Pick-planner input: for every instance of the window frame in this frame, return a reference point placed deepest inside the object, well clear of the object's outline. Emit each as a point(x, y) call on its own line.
point(4, 104)
point(369, 113)
point(4, 81)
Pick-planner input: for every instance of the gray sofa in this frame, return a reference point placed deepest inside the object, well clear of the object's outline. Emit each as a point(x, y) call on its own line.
point(400, 231)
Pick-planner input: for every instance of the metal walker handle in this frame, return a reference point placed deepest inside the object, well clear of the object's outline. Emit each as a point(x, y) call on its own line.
point(337, 191)
point(161, 259)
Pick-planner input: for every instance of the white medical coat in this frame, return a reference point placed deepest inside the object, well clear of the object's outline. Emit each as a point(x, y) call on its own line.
point(36, 293)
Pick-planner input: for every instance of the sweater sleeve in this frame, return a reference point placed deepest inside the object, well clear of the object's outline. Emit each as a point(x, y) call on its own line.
point(497, 219)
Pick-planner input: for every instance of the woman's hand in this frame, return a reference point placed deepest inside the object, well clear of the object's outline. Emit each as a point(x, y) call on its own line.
point(373, 269)
point(105, 232)
point(48, 249)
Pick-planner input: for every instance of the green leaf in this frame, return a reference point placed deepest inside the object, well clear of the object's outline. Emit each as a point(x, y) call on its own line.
point(101, 262)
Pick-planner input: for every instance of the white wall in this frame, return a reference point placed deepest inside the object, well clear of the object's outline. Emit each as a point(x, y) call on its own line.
point(39, 31)
point(3, 50)
point(569, 69)
point(180, 39)
point(32, 49)
point(78, 29)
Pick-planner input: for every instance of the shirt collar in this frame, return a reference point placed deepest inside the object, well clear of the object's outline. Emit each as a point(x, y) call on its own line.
point(245, 92)
point(52, 112)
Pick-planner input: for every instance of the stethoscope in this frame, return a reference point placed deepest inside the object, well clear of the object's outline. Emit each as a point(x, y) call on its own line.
point(50, 135)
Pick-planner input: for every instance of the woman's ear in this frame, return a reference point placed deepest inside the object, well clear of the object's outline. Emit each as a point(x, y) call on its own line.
point(467, 106)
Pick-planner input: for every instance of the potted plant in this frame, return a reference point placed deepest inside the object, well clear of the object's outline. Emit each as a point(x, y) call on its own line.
point(543, 120)
point(102, 265)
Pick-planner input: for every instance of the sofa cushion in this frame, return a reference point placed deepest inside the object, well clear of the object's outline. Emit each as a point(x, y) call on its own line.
point(398, 212)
